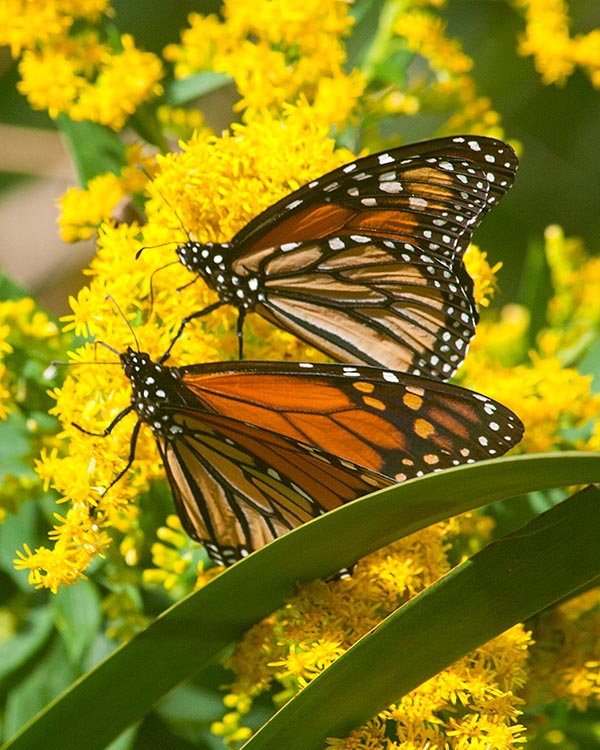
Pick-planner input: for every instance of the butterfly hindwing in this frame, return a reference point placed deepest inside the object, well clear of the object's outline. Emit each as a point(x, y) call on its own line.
point(372, 300)
point(237, 486)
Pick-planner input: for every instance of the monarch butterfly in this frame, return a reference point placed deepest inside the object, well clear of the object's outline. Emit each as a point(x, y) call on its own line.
point(365, 263)
point(254, 449)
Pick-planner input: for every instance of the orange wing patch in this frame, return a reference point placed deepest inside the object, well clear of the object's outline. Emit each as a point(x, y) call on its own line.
point(308, 410)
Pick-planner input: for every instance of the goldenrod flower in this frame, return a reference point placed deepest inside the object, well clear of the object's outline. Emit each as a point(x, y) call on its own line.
point(483, 275)
point(287, 61)
point(123, 82)
point(22, 328)
point(276, 52)
point(548, 39)
point(89, 79)
point(574, 311)
point(445, 87)
point(84, 210)
point(566, 663)
point(27, 24)
point(549, 398)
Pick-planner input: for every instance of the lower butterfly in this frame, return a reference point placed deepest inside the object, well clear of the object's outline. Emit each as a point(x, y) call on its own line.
point(253, 449)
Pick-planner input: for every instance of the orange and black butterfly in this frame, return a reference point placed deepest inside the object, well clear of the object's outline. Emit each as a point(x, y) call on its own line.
point(365, 263)
point(254, 449)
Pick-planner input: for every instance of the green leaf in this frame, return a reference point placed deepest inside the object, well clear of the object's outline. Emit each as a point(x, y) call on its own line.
point(506, 583)
point(147, 125)
point(187, 89)
point(193, 632)
point(51, 675)
point(78, 617)
point(14, 529)
point(9, 289)
point(590, 364)
point(95, 149)
point(28, 641)
point(536, 288)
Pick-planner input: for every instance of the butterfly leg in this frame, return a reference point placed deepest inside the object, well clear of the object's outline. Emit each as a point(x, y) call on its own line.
point(110, 427)
point(130, 459)
point(240, 332)
point(184, 322)
point(107, 431)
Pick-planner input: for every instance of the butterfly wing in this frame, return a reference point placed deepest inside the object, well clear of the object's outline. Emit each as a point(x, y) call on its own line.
point(431, 194)
point(370, 300)
point(365, 263)
point(237, 486)
point(391, 423)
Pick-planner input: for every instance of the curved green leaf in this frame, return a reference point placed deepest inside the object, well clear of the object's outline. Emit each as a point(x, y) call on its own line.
point(194, 86)
point(94, 148)
point(182, 640)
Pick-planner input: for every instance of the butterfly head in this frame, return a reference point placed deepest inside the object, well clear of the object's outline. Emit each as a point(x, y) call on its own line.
point(209, 259)
point(153, 387)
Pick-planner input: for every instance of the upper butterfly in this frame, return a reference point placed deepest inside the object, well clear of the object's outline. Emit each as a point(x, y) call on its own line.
point(365, 263)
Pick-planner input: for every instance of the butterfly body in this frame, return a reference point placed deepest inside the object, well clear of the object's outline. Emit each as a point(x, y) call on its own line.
point(253, 449)
point(212, 261)
point(365, 263)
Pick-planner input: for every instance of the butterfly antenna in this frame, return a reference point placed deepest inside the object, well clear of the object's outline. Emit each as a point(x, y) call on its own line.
point(62, 363)
point(111, 349)
point(127, 323)
point(164, 197)
point(153, 247)
point(156, 270)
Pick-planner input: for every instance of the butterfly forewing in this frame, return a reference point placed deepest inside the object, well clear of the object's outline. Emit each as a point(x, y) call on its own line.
point(392, 423)
point(429, 193)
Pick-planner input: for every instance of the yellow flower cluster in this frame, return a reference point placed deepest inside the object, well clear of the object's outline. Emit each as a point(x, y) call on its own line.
point(483, 275)
point(476, 697)
point(25, 24)
point(89, 81)
point(182, 122)
point(276, 52)
point(548, 39)
point(549, 398)
point(84, 210)
point(21, 326)
point(5, 393)
point(169, 555)
point(216, 185)
point(574, 311)
point(449, 87)
point(65, 68)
